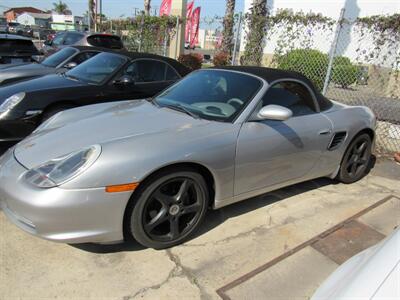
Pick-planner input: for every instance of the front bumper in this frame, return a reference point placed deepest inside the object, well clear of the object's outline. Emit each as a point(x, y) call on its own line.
point(57, 214)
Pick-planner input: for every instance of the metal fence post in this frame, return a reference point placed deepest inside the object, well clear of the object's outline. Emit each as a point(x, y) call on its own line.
point(177, 37)
point(237, 39)
point(165, 41)
point(141, 32)
point(333, 50)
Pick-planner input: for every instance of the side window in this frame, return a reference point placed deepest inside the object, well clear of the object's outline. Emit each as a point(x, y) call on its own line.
point(72, 38)
point(292, 95)
point(81, 57)
point(58, 39)
point(147, 71)
point(171, 74)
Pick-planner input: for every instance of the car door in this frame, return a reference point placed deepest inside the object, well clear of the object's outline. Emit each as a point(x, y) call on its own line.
point(271, 152)
point(150, 76)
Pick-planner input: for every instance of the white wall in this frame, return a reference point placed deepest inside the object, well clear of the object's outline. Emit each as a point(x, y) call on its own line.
point(322, 40)
point(331, 8)
point(26, 19)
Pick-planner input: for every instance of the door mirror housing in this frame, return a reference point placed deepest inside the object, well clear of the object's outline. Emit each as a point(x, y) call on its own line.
point(70, 65)
point(125, 80)
point(274, 112)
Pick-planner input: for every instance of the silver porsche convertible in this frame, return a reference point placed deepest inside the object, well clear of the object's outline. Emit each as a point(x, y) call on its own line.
point(151, 169)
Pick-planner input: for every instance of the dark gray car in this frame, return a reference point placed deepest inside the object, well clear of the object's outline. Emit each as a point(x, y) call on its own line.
point(15, 49)
point(61, 61)
point(76, 38)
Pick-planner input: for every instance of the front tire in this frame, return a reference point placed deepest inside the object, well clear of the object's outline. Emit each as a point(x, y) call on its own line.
point(356, 160)
point(168, 209)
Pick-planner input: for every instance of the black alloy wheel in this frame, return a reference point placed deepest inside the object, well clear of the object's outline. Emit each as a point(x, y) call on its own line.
point(169, 209)
point(356, 160)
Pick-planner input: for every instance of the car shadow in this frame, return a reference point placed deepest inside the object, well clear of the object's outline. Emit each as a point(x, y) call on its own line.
point(216, 218)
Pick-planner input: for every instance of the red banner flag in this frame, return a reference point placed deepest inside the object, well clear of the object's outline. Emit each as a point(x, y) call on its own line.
point(165, 8)
point(194, 32)
point(189, 11)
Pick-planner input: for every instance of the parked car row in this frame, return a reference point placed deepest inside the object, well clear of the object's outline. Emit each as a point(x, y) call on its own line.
point(119, 145)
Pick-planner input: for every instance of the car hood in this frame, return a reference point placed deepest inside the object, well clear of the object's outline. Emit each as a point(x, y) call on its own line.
point(24, 70)
point(364, 275)
point(98, 124)
point(48, 82)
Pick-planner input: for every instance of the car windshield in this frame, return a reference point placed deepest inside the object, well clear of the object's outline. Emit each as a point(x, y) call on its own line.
point(97, 69)
point(211, 94)
point(58, 57)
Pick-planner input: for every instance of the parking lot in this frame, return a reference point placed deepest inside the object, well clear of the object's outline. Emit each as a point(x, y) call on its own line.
point(280, 245)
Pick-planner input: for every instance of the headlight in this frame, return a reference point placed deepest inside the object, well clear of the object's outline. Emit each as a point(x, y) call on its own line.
point(60, 170)
point(10, 102)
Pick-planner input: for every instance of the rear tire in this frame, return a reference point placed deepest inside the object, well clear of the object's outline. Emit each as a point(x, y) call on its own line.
point(168, 208)
point(356, 160)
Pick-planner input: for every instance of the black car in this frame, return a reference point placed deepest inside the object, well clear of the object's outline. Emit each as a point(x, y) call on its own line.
point(15, 49)
point(61, 61)
point(75, 38)
point(108, 76)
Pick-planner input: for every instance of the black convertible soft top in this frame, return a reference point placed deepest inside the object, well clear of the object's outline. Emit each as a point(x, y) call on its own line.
point(270, 75)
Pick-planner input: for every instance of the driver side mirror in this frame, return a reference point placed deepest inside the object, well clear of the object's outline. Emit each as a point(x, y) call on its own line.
point(125, 80)
point(70, 65)
point(274, 112)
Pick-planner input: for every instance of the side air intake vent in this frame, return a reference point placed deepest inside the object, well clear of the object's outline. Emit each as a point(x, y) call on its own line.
point(337, 140)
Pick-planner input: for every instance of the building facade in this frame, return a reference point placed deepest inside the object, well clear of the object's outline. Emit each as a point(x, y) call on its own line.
point(12, 13)
point(34, 19)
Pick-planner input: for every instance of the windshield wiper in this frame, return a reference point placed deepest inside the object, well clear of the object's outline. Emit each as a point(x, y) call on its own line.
point(181, 108)
point(153, 101)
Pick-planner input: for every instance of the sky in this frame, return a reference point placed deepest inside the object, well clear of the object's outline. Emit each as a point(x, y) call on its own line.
point(119, 8)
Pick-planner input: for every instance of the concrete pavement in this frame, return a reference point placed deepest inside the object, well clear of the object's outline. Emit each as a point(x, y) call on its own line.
point(235, 241)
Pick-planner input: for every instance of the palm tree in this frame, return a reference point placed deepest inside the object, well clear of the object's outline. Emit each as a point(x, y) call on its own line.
point(227, 40)
point(147, 7)
point(255, 39)
point(60, 7)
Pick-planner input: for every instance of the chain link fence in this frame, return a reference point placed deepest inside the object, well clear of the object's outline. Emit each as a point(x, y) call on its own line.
point(348, 62)
point(148, 34)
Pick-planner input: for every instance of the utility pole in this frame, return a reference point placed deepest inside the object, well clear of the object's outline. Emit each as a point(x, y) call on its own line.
point(101, 13)
point(95, 17)
point(90, 14)
point(177, 44)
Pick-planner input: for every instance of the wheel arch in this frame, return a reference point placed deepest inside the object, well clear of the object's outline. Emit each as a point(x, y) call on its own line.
point(203, 170)
point(368, 131)
point(54, 105)
point(60, 103)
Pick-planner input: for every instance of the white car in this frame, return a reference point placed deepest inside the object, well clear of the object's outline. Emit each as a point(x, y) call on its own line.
point(371, 274)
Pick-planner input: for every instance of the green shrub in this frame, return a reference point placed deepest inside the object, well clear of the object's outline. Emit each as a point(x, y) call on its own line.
point(344, 73)
point(193, 60)
point(311, 63)
point(221, 59)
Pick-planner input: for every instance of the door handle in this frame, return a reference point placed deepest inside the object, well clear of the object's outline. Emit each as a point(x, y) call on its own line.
point(325, 132)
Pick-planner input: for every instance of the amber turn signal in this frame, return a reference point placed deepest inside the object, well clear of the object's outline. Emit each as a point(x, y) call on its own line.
point(122, 187)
